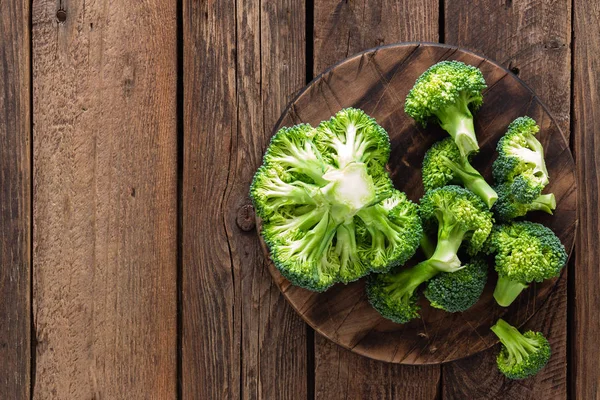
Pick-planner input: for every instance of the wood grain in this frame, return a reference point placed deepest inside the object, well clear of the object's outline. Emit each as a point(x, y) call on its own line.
point(240, 338)
point(15, 201)
point(341, 29)
point(585, 329)
point(377, 82)
point(533, 40)
point(105, 190)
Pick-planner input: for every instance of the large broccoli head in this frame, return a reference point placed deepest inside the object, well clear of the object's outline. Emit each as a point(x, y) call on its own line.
point(443, 165)
point(458, 216)
point(509, 207)
point(458, 291)
point(521, 355)
point(447, 93)
point(329, 210)
point(525, 252)
point(520, 161)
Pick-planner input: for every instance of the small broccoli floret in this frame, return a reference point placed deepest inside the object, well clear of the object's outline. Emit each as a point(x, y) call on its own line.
point(508, 207)
point(448, 93)
point(458, 291)
point(329, 210)
point(394, 295)
point(458, 216)
point(520, 161)
point(522, 355)
point(443, 165)
point(525, 252)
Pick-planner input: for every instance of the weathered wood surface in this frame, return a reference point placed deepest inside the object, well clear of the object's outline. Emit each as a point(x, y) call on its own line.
point(585, 279)
point(240, 339)
point(378, 82)
point(15, 201)
point(532, 39)
point(105, 199)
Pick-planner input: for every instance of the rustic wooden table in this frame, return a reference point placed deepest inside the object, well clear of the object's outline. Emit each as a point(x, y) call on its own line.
point(129, 132)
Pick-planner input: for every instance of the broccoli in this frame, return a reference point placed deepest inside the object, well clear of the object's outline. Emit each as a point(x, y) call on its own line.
point(520, 161)
point(521, 355)
point(448, 92)
point(525, 252)
point(328, 207)
point(460, 216)
point(508, 207)
point(443, 164)
point(460, 290)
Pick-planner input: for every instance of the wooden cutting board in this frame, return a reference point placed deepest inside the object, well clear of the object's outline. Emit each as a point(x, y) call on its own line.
point(377, 81)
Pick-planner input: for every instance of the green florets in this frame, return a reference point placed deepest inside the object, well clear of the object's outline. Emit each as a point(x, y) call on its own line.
point(522, 355)
point(328, 207)
point(394, 295)
point(520, 161)
point(443, 165)
point(447, 93)
point(508, 207)
point(458, 291)
point(525, 252)
point(458, 216)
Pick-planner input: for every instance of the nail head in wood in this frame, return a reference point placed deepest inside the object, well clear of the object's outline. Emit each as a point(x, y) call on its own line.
point(245, 218)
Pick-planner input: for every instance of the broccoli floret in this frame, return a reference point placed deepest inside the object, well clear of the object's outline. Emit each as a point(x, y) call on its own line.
point(328, 207)
point(508, 207)
point(458, 216)
point(394, 295)
point(460, 290)
point(448, 93)
point(520, 161)
point(521, 355)
point(525, 252)
point(443, 165)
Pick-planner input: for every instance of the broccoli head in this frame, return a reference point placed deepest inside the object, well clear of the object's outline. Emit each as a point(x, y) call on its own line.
point(520, 161)
point(328, 207)
point(443, 165)
point(508, 207)
point(448, 93)
point(525, 252)
point(458, 216)
point(460, 290)
point(394, 295)
point(522, 355)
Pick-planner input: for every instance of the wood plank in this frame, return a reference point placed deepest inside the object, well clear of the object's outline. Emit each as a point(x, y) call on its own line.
point(105, 190)
point(342, 29)
point(15, 201)
point(240, 338)
point(585, 329)
point(533, 40)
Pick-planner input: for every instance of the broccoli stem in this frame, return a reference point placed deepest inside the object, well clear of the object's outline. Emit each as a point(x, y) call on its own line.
point(444, 257)
point(510, 337)
point(457, 120)
point(545, 202)
point(507, 291)
point(402, 285)
point(473, 180)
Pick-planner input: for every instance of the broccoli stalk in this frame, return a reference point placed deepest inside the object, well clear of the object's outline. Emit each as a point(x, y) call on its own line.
point(447, 93)
point(521, 355)
point(329, 210)
point(525, 252)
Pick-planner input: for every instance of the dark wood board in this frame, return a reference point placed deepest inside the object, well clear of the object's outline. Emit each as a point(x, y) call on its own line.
point(15, 201)
point(105, 199)
point(585, 327)
point(533, 39)
point(377, 81)
point(242, 63)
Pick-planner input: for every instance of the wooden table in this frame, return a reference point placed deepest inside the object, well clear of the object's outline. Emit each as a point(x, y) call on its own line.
point(129, 132)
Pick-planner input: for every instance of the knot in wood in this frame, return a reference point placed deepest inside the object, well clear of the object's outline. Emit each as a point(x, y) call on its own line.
point(245, 218)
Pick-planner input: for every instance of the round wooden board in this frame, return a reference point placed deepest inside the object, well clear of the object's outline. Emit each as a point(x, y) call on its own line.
point(377, 81)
